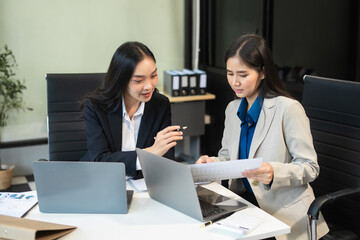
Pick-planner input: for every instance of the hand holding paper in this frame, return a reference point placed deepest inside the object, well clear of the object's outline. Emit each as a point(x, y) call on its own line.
point(264, 174)
point(223, 170)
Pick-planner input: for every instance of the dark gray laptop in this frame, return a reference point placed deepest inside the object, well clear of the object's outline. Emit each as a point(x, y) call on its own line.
point(171, 183)
point(81, 187)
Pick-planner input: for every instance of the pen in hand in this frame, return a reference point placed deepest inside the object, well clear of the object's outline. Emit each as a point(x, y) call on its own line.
point(180, 129)
point(216, 219)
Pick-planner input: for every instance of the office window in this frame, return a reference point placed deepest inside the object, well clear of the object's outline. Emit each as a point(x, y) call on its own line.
point(306, 37)
point(317, 36)
point(234, 18)
point(321, 36)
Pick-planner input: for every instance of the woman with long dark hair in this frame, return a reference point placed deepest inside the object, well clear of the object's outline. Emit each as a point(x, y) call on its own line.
point(266, 122)
point(127, 112)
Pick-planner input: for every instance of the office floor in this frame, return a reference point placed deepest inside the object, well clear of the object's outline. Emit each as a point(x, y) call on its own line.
point(21, 184)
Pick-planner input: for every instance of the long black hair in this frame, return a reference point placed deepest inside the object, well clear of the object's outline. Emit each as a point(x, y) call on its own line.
point(120, 71)
point(255, 53)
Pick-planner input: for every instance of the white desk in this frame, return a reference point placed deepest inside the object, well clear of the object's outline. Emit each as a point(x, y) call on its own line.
point(149, 219)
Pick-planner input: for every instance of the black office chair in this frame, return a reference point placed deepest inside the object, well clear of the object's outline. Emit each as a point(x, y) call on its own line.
point(66, 128)
point(333, 107)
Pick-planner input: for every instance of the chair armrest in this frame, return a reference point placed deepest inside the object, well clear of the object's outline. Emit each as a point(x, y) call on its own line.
point(320, 201)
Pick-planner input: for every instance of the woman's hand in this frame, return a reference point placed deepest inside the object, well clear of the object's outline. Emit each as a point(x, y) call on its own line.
point(165, 139)
point(263, 174)
point(204, 159)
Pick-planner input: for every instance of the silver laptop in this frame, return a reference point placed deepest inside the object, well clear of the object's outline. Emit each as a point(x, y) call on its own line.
point(81, 187)
point(171, 183)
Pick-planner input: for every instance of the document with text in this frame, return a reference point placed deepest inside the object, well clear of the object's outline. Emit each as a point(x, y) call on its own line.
point(216, 171)
point(17, 204)
point(239, 222)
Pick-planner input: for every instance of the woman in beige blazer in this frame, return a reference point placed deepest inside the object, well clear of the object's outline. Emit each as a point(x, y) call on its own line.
point(281, 137)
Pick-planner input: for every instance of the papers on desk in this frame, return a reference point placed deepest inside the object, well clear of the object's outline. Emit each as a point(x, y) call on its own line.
point(139, 184)
point(17, 204)
point(217, 171)
point(238, 222)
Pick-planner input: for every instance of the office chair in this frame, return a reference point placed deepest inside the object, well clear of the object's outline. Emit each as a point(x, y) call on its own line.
point(333, 107)
point(66, 128)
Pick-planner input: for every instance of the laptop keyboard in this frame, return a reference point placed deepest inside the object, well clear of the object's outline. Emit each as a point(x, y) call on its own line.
point(208, 209)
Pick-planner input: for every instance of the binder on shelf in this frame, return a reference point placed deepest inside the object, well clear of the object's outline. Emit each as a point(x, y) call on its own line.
point(184, 83)
point(202, 80)
point(172, 83)
point(193, 83)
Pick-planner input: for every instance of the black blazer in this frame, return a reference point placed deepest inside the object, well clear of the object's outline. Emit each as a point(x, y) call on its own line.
point(104, 132)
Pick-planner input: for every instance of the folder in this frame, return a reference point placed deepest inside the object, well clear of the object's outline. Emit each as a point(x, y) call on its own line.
point(172, 83)
point(202, 78)
point(26, 229)
point(184, 83)
point(193, 83)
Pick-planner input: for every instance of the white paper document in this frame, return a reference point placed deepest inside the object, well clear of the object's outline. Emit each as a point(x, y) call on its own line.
point(217, 171)
point(138, 184)
point(239, 222)
point(17, 204)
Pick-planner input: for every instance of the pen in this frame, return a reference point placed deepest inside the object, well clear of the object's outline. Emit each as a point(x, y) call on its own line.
point(180, 129)
point(216, 219)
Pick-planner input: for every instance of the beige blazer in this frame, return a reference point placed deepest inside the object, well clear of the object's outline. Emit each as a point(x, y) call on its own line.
point(282, 137)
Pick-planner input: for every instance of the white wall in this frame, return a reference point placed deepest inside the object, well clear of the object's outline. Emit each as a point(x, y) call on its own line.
point(23, 157)
point(63, 36)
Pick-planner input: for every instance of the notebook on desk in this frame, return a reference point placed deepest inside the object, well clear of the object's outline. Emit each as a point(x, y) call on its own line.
point(171, 183)
point(81, 187)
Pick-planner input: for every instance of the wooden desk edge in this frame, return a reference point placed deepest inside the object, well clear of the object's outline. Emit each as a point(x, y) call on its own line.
point(207, 96)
